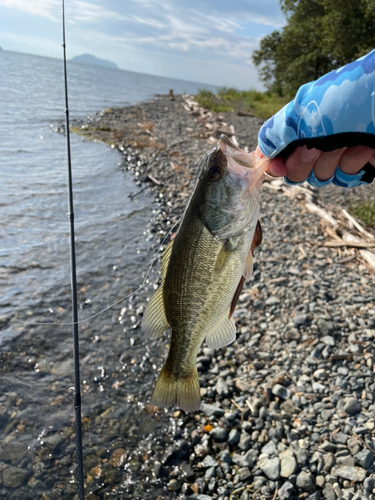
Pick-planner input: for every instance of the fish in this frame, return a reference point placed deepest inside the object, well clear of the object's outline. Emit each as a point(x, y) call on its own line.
point(204, 268)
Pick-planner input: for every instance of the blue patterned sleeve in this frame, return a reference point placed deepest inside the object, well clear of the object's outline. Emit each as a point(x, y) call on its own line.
point(335, 111)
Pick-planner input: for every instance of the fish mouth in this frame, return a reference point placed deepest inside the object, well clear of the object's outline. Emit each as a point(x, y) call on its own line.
point(224, 141)
point(239, 162)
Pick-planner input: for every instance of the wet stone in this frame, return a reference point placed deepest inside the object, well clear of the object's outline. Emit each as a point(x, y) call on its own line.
point(14, 477)
point(12, 452)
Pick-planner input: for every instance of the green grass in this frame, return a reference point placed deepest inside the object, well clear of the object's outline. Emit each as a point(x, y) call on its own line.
point(365, 211)
point(261, 104)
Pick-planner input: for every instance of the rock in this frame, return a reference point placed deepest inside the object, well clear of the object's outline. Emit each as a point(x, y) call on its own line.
point(292, 334)
point(302, 456)
point(351, 473)
point(352, 406)
point(12, 452)
point(225, 457)
point(353, 445)
point(315, 496)
point(14, 477)
point(219, 434)
point(247, 460)
point(325, 327)
point(244, 473)
point(117, 458)
point(329, 462)
point(286, 491)
point(288, 466)
point(222, 388)
point(368, 484)
point(242, 385)
point(271, 467)
point(364, 458)
point(200, 497)
point(328, 340)
point(328, 492)
point(210, 472)
point(209, 462)
point(234, 437)
point(245, 441)
point(340, 438)
point(269, 448)
point(281, 391)
point(211, 410)
point(173, 485)
point(305, 481)
point(319, 481)
point(300, 319)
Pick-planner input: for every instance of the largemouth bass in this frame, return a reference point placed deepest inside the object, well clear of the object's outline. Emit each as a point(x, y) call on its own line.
point(204, 268)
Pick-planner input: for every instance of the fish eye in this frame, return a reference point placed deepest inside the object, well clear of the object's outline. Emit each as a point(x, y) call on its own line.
point(215, 172)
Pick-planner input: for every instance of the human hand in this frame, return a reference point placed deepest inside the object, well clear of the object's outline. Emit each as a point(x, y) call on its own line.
point(302, 161)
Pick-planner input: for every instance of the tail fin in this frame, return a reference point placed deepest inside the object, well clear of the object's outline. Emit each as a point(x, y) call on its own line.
point(182, 392)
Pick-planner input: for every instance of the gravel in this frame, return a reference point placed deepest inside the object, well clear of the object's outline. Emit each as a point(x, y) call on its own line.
point(288, 409)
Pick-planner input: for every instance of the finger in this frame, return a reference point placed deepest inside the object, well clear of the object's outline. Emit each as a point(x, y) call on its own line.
point(355, 158)
point(372, 160)
point(258, 152)
point(300, 163)
point(277, 168)
point(326, 164)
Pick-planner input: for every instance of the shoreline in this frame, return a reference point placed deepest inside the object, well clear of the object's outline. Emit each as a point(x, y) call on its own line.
point(278, 419)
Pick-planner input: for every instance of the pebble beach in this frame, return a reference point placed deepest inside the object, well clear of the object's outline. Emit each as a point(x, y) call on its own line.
point(288, 409)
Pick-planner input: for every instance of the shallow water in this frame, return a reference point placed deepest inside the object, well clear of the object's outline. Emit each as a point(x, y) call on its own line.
point(113, 255)
point(34, 258)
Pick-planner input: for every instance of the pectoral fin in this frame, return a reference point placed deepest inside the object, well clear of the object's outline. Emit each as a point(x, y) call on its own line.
point(224, 334)
point(154, 322)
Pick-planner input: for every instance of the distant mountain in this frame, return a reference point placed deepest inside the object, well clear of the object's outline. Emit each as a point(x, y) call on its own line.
point(89, 59)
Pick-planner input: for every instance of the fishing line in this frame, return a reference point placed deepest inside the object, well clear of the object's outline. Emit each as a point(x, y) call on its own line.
point(195, 181)
point(77, 385)
point(64, 323)
point(27, 323)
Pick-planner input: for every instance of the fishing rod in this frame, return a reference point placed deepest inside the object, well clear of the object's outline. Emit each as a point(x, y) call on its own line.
point(73, 278)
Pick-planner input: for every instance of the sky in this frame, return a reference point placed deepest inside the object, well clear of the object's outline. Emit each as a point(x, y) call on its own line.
point(203, 41)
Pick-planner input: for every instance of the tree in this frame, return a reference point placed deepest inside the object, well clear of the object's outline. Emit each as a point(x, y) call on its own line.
point(319, 36)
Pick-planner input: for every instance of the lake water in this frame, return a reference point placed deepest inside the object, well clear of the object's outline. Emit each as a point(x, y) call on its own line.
point(34, 244)
point(118, 366)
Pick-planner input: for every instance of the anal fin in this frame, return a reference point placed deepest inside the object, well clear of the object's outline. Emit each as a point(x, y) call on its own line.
point(224, 334)
point(154, 322)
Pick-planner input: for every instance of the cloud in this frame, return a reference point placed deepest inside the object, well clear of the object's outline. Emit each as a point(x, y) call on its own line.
point(44, 8)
